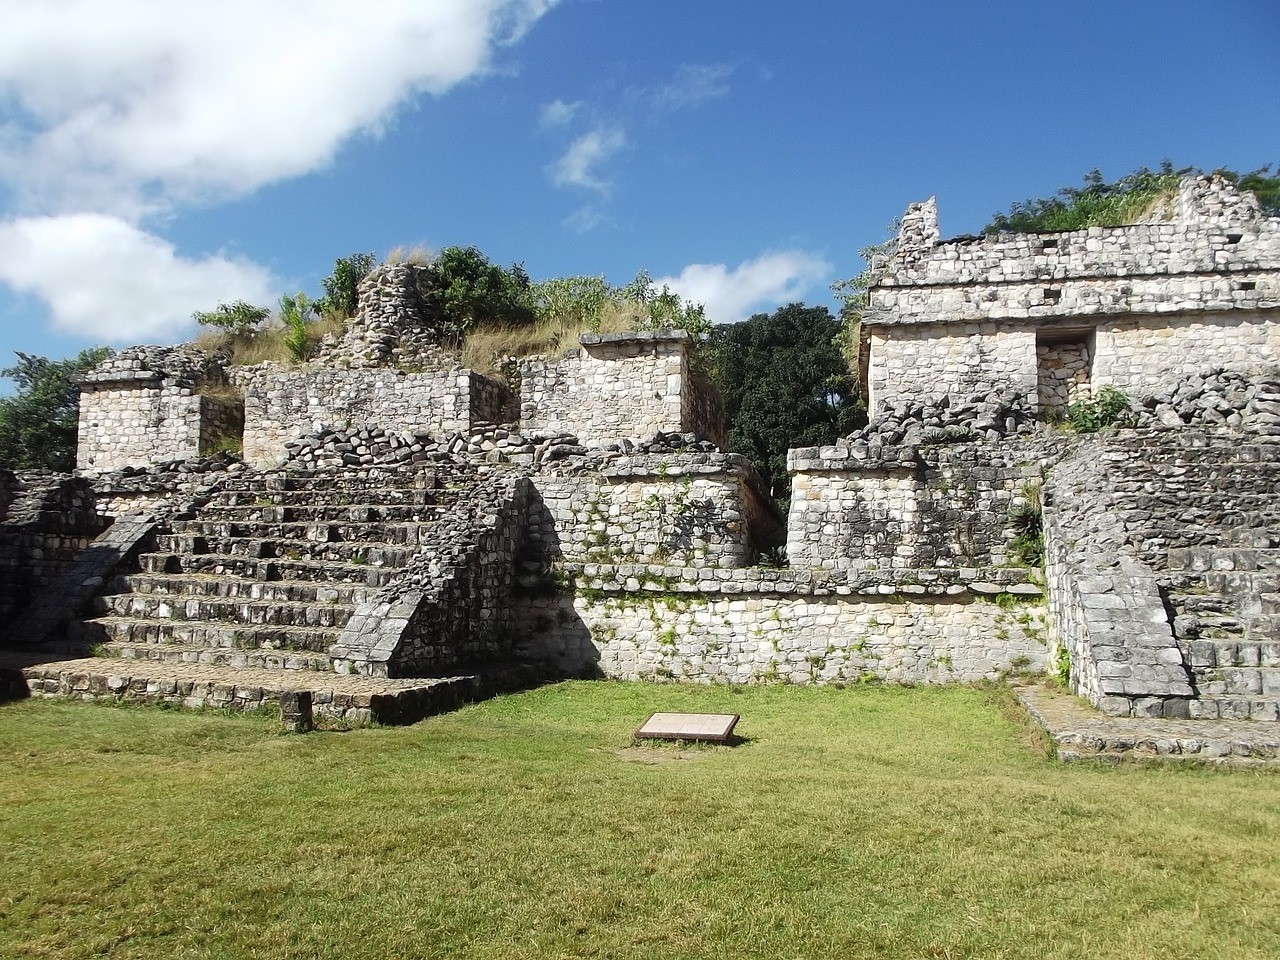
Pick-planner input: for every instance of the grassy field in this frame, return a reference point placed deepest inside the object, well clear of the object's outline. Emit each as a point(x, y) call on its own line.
point(871, 822)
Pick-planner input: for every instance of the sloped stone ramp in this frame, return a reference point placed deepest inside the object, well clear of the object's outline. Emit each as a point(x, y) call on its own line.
point(1078, 732)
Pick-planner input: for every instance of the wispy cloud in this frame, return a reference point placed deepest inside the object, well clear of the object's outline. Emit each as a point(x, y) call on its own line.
point(114, 114)
point(557, 113)
point(691, 86)
point(585, 219)
point(578, 166)
point(767, 281)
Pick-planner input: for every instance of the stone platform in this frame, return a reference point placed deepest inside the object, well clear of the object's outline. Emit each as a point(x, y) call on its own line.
point(1079, 732)
point(348, 699)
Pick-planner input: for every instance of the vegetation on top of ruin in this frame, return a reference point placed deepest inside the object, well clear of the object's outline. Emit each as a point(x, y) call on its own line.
point(1127, 200)
point(38, 425)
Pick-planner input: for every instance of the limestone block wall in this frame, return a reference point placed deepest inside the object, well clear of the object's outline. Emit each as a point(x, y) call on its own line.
point(746, 626)
point(145, 405)
point(284, 404)
point(617, 386)
point(47, 521)
point(1063, 375)
point(867, 507)
point(1140, 354)
point(708, 510)
point(954, 358)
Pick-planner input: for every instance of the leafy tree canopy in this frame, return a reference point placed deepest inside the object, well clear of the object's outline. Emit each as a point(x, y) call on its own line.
point(341, 287)
point(38, 423)
point(471, 291)
point(1102, 204)
point(237, 317)
point(784, 384)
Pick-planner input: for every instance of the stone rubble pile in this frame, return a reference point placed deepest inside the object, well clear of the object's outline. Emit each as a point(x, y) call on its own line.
point(223, 461)
point(332, 448)
point(1242, 401)
point(948, 419)
point(185, 363)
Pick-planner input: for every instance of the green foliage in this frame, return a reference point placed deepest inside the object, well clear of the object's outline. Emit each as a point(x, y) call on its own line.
point(1110, 406)
point(588, 301)
point(784, 384)
point(294, 313)
point(237, 318)
point(38, 424)
point(1062, 667)
point(470, 291)
point(1102, 204)
point(1027, 521)
point(854, 296)
point(340, 287)
point(578, 300)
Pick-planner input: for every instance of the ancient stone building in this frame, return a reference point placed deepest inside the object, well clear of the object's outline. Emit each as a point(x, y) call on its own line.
point(1055, 316)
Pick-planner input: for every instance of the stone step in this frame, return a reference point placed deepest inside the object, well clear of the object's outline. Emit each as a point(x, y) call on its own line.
point(325, 512)
point(1238, 682)
point(1222, 559)
point(1229, 707)
point(114, 628)
point(260, 659)
point(377, 533)
point(1262, 628)
point(226, 610)
point(230, 587)
point(346, 552)
point(1206, 654)
point(328, 571)
point(352, 700)
point(1257, 604)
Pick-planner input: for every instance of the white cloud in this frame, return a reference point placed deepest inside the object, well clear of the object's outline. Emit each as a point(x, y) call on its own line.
point(125, 105)
point(765, 282)
point(585, 219)
point(557, 113)
point(693, 85)
point(577, 167)
point(105, 279)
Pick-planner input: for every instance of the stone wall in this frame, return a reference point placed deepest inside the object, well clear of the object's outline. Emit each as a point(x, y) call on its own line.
point(699, 509)
point(1063, 375)
point(46, 521)
point(283, 404)
point(1162, 296)
point(146, 404)
point(866, 506)
point(754, 626)
point(620, 385)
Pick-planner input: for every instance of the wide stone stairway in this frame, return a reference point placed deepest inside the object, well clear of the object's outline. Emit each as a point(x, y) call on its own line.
point(238, 606)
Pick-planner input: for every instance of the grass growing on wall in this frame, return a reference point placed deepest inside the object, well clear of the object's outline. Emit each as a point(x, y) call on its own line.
point(871, 822)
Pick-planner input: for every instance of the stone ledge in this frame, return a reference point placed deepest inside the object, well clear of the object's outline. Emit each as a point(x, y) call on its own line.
point(635, 336)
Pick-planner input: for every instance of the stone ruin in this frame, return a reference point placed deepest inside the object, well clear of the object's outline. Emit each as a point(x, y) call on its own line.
point(402, 533)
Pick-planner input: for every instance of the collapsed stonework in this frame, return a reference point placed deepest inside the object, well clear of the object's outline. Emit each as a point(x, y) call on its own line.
point(399, 521)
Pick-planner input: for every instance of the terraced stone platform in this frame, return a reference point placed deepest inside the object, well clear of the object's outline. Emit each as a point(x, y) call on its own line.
point(1079, 732)
point(351, 700)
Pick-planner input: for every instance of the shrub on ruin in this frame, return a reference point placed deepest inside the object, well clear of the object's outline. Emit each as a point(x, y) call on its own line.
point(237, 318)
point(341, 288)
point(1109, 407)
point(294, 313)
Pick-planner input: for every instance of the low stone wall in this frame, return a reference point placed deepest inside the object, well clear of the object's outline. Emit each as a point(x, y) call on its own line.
point(867, 506)
point(47, 521)
point(708, 509)
point(620, 385)
point(757, 626)
point(285, 404)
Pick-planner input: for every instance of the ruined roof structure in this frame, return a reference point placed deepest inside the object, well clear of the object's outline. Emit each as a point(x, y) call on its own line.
point(1055, 316)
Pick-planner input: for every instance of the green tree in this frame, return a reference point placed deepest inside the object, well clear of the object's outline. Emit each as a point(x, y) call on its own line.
point(469, 290)
point(341, 288)
point(237, 318)
point(38, 424)
point(294, 313)
point(784, 384)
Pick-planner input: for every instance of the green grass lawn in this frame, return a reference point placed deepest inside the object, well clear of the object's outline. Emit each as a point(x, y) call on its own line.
point(870, 822)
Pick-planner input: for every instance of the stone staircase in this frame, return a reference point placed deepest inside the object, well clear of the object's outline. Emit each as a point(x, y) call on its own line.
point(238, 605)
point(1226, 618)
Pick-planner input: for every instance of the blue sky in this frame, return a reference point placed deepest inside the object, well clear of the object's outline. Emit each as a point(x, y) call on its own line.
point(158, 158)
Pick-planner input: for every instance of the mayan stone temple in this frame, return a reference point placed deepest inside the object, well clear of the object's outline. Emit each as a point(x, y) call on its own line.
point(402, 534)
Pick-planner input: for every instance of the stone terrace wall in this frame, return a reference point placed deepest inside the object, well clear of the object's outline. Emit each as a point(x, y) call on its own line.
point(703, 509)
point(745, 626)
point(616, 386)
point(285, 404)
point(866, 506)
point(48, 519)
point(144, 405)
